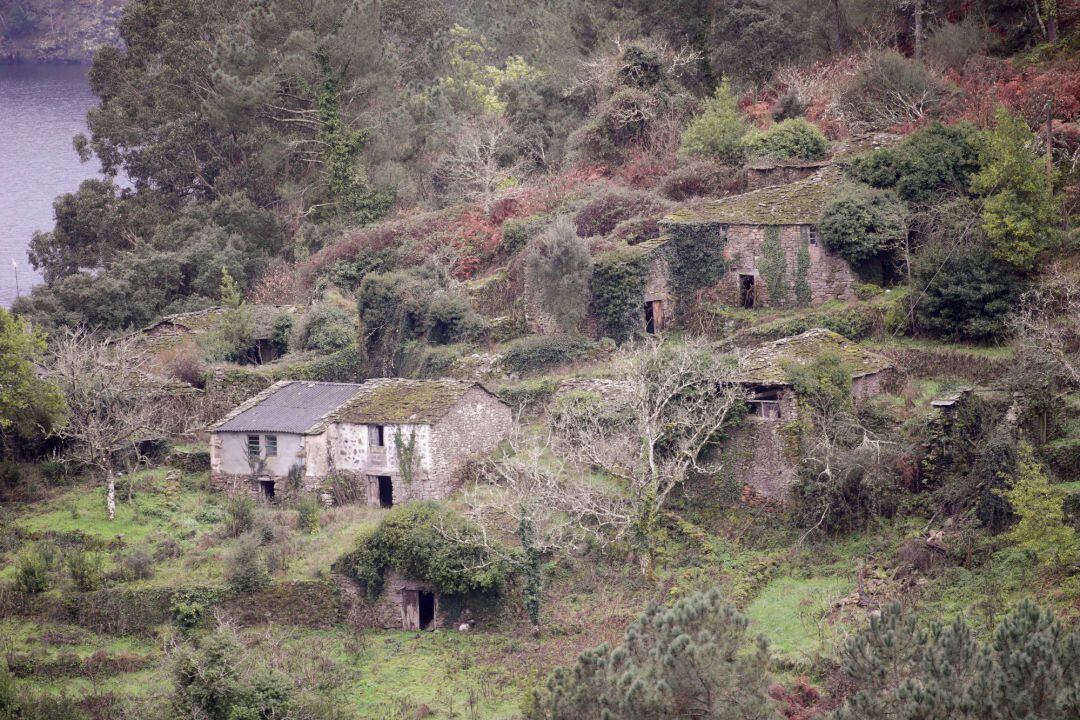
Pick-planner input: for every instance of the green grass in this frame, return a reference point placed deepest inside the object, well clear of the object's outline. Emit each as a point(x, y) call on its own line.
point(794, 614)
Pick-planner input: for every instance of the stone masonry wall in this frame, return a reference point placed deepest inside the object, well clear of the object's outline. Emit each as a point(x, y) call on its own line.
point(830, 276)
point(472, 428)
point(757, 178)
point(760, 453)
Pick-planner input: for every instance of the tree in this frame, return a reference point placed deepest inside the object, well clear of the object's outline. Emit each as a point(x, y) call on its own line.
point(481, 160)
point(235, 333)
point(861, 223)
point(695, 659)
point(559, 269)
point(1041, 530)
point(25, 399)
point(961, 293)
point(113, 406)
point(676, 402)
point(901, 669)
point(719, 130)
point(1018, 206)
point(749, 39)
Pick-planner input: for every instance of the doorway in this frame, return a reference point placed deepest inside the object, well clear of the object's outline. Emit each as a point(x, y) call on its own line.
point(746, 291)
point(386, 491)
point(427, 610)
point(266, 489)
point(654, 316)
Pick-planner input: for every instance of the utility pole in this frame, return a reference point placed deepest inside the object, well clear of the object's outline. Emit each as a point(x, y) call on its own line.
point(16, 266)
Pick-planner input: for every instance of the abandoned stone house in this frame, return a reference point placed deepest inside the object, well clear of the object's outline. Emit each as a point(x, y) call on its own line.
point(790, 214)
point(172, 331)
point(407, 604)
point(390, 440)
point(760, 448)
point(769, 173)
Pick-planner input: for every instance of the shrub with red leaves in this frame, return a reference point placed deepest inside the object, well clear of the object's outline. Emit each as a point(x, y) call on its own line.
point(802, 701)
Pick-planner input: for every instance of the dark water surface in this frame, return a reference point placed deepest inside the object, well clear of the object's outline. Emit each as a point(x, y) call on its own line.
point(41, 108)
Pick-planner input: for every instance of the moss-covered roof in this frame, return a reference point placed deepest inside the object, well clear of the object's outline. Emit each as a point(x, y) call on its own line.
point(768, 364)
point(772, 163)
point(171, 329)
point(799, 203)
point(397, 400)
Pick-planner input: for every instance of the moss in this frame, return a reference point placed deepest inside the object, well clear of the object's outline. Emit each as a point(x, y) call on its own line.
point(797, 203)
point(402, 400)
point(618, 288)
point(767, 365)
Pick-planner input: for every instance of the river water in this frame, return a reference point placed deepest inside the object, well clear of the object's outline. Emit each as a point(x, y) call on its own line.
point(41, 108)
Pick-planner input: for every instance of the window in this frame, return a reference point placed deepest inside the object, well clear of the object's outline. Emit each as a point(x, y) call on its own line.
point(253, 447)
point(812, 235)
point(271, 445)
point(723, 232)
point(376, 436)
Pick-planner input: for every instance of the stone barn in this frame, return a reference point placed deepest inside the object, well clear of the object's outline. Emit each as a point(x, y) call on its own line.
point(392, 439)
point(170, 333)
point(406, 604)
point(763, 457)
point(786, 216)
point(769, 173)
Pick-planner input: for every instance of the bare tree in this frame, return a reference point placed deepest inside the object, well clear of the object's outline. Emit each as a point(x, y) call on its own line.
point(678, 401)
point(481, 160)
point(113, 405)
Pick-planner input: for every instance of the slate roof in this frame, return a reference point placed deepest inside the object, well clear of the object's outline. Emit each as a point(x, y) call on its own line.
point(397, 400)
point(290, 406)
point(768, 364)
point(306, 408)
point(801, 202)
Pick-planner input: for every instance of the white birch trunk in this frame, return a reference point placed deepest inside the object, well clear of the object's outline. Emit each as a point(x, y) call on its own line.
point(110, 501)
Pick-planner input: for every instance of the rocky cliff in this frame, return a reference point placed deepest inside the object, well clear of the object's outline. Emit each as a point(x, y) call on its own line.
point(57, 30)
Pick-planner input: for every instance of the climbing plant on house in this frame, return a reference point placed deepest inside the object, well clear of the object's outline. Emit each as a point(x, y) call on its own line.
point(773, 266)
point(618, 285)
point(803, 292)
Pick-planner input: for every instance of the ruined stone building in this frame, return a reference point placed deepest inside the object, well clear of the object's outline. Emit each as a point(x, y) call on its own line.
point(391, 439)
point(171, 332)
point(763, 457)
point(786, 215)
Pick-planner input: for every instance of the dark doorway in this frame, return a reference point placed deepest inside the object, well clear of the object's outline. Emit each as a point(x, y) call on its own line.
point(266, 487)
point(650, 319)
point(746, 291)
point(427, 610)
point(386, 491)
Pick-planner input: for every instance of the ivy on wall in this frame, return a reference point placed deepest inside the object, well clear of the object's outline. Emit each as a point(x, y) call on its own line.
point(696, 256)
point(803, 292)
point(617, 287)
point(773, 266)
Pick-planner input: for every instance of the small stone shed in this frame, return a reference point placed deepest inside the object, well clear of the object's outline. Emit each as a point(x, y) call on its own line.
point(790, 213)
point(392, 439)
point(407, 604)
point(172, 331)
point(769, 173)
point(763, 461)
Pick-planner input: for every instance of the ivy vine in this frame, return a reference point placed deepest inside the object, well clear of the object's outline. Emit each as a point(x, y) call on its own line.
point(617, 287)
point(773, 266)
point(696, 256)
point(803, 292)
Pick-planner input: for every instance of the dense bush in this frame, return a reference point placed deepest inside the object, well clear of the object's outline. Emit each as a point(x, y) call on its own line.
point(890, 89)
point(32, 572)
point(718, 132)
point(964, 294)
point(240, 509)
point(428, 542)
point(794, 139)
point(600, 216)
point(308, 513)
point(537, 352)
point(559, 268)
point(954, 43)
point(326, 328)
point(617, 288)
point(702, 178)
point(926, 167)
point(85, 569)
point(245, 567)
point(861, 223)
point(517, 232)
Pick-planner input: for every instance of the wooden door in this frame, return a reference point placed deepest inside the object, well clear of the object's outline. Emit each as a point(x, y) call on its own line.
point(410, 610)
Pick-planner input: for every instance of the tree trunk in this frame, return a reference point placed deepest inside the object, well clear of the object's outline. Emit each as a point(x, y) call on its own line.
point(110, 499)
point(920, 7)
point(1051, 21)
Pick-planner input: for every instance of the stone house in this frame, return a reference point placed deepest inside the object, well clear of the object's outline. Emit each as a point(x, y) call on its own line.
point(763, 457)
point(406, 604)
point(392, 440)
point(790, 213)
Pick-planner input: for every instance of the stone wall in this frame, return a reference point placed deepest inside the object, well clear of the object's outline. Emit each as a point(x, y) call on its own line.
point(761, 453)
point(830, 277)
point(386, 611)
point(761, 177)
point(471, 429)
